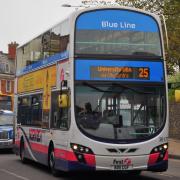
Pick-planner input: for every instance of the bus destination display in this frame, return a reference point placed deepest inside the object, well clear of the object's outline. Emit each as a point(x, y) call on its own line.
point(124, 72)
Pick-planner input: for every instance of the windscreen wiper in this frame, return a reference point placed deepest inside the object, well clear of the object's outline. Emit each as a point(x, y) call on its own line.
point(147, 54)
point(132, 89)
point(116, 84)
point(100, 90)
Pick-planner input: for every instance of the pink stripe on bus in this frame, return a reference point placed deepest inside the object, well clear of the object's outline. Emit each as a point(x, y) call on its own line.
point(64, 154)
point(39, 147)
point(90, 159)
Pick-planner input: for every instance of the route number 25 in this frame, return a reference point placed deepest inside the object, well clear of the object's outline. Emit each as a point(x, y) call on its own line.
point(144, 73)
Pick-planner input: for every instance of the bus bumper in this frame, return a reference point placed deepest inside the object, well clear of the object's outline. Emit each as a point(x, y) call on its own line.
point(121, 163)
point(159, 167)
point(112, 163)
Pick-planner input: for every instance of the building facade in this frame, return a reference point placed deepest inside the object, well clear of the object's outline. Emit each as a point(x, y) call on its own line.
point(7, 75)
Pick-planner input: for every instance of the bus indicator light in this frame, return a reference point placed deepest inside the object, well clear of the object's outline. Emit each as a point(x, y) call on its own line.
point(86, 150)
point(156, 149)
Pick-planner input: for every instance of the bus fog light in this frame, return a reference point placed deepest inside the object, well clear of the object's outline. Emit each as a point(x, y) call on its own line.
point(161, 155)
point(79, 156)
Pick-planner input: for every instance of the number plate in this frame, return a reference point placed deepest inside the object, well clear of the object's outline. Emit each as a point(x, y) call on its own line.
point(123, 164)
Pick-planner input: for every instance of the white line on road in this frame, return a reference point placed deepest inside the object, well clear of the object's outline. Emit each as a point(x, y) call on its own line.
point(166, 174)
point(14, 174)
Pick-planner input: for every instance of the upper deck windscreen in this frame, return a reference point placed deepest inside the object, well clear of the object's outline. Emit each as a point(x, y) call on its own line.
point(117, 32)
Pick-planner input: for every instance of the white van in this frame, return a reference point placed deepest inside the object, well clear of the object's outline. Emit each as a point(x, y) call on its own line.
point(6, 129)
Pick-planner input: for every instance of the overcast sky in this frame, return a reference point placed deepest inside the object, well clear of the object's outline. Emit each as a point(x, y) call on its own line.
point(21, 20)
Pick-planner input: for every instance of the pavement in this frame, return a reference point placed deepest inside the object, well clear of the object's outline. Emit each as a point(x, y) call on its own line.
point(174, 148)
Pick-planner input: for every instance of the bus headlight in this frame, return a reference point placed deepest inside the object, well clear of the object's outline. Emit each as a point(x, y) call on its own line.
point(83, 154)
point(165, 146)
point(81, 149)
point(74, 147)
point(162, 148)
point(158, 154)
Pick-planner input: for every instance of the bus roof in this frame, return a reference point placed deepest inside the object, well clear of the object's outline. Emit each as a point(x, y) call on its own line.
point(76, 13)
point(38, 34)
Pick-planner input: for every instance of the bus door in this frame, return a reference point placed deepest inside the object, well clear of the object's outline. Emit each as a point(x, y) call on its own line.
point(60, 118)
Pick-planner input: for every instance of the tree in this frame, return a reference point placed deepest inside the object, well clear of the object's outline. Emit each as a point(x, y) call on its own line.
point(98, 2)
point(155, 6)
point(171, 11)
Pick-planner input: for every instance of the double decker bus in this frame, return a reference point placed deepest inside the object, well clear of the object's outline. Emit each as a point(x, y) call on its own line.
point(92, 95)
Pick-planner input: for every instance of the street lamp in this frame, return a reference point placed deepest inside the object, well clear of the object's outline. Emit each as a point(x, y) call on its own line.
point(93, 3)
point(68, 5)
point(73, 6)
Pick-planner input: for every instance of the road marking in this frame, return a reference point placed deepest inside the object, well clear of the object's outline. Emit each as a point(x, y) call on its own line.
point(14, 174)
point(166, 174)
point(176, 160)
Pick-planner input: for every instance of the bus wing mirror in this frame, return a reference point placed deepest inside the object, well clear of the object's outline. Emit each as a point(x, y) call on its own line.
point(63, 100)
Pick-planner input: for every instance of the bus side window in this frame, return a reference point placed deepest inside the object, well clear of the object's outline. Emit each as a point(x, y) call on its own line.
point(30, 110)
point(36, 104)
point(60, 115)
point(24, 110)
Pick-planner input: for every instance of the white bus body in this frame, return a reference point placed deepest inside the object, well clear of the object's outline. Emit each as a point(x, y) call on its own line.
point(123, 79)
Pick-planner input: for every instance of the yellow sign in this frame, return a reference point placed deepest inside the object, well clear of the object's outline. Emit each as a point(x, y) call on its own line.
point(35, 80)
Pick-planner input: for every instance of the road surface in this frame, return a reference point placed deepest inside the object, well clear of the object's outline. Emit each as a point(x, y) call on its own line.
point(11, 168)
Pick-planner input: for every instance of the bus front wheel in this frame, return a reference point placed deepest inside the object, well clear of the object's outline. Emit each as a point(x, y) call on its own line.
point(51, 162)
point(22, 152)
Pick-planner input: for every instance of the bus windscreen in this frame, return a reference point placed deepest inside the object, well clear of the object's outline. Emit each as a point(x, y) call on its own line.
point(117, 32)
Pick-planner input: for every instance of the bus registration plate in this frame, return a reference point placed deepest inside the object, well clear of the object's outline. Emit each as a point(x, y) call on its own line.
point(123, 164)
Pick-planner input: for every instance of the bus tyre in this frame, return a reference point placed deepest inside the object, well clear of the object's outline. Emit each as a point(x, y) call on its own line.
point(51, 163)
point(22, 152)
